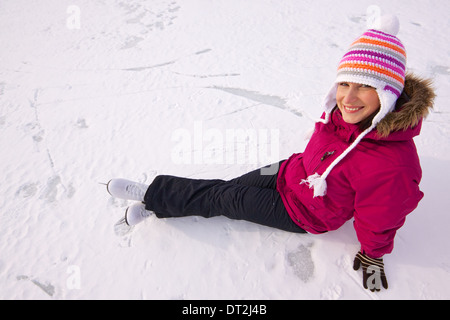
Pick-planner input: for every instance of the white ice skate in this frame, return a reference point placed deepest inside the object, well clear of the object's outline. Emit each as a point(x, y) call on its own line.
point(136, 214)
point(126, 189)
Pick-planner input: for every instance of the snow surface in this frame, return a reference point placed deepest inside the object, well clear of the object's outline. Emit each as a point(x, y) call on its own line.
point(92, 90)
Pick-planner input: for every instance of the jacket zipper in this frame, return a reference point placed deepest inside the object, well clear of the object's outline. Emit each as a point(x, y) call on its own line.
point(324, 157)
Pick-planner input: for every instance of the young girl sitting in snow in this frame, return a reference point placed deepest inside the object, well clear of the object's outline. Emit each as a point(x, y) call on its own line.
point(361, 162)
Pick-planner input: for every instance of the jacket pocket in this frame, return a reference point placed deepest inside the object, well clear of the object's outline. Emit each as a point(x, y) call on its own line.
point(325, 155)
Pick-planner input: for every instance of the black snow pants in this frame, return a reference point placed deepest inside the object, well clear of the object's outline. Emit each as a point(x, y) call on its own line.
point(252, 197)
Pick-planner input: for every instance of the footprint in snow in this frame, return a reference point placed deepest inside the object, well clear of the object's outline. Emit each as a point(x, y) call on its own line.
point(301, 262)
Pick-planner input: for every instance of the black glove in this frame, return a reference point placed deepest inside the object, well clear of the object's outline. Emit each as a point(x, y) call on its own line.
point(373, 272)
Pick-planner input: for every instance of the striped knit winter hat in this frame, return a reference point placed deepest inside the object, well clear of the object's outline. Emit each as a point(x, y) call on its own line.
point(378, 59)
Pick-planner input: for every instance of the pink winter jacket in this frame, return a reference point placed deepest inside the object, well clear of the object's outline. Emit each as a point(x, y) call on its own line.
point(377, 183)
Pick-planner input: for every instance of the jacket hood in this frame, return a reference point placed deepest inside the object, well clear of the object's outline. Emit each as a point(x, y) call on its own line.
point(412, 106)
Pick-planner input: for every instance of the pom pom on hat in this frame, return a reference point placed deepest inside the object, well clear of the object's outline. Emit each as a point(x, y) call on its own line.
point(388, 24)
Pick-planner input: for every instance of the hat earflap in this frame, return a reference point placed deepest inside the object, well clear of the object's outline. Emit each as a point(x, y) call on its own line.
point(329, 102)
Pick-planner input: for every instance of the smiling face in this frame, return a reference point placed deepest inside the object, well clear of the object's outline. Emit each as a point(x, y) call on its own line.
point(356, 101)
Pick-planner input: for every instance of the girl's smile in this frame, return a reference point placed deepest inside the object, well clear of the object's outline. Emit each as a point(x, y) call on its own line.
point(350, 109)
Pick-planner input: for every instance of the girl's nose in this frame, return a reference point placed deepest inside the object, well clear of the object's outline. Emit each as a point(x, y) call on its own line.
point(350, 96)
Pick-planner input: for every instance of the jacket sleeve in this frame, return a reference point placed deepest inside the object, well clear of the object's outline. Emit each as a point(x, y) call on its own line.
point(382, 202)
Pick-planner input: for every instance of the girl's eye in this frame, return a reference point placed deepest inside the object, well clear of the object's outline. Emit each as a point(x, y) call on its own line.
point(346, 84)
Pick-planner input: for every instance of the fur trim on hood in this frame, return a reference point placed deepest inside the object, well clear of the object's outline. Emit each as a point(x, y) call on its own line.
point(412, 106)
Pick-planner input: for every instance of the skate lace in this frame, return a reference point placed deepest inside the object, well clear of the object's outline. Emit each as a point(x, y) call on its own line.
point(134, 190)
point(144, 212)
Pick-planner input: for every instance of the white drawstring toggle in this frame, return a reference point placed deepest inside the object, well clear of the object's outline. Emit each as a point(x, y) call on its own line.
point(318, 183)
